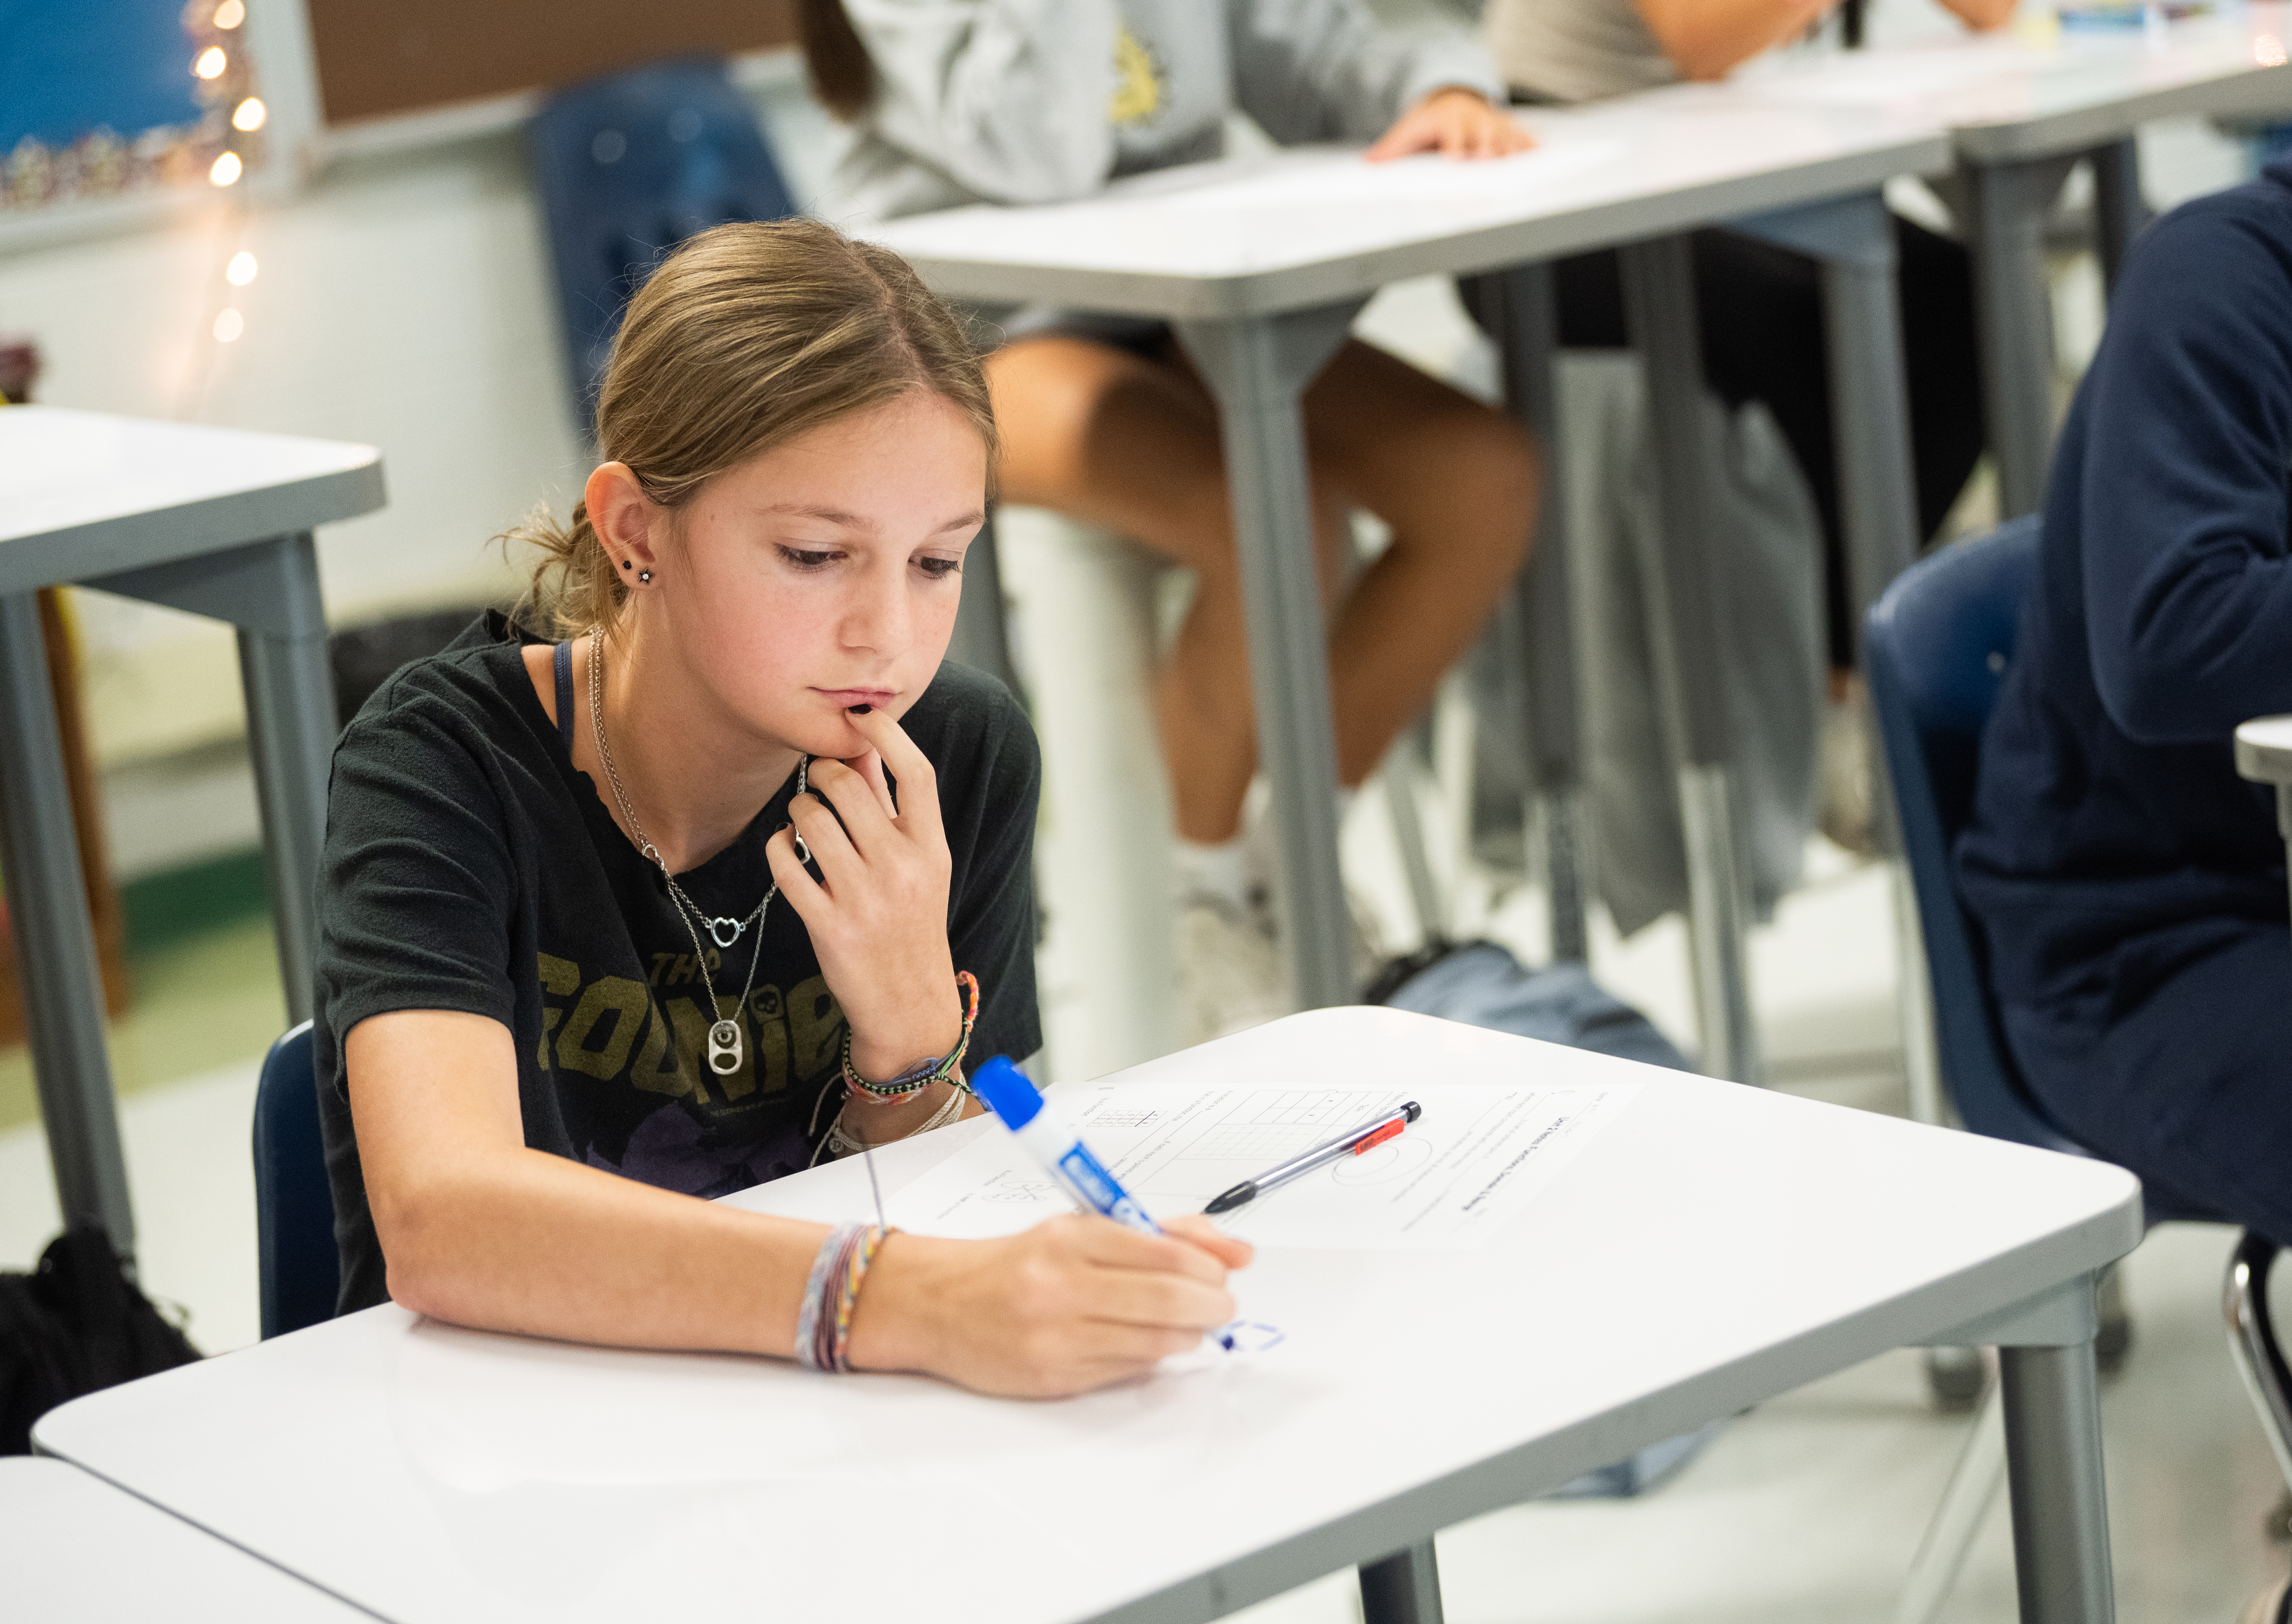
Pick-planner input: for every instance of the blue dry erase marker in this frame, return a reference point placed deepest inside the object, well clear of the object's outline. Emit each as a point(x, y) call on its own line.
point(1056, 1146)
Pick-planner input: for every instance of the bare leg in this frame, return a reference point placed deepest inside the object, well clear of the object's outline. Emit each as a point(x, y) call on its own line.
point(1131, 444)
point(1456, 481)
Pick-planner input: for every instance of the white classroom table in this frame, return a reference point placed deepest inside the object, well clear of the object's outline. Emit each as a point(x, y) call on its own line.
point(2023, 108)
point(1712, 1247)
point(75, 1550)
point(1261, 265)
point(216, 523)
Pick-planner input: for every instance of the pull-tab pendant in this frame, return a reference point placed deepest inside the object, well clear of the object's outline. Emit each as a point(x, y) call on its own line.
point(724, 1055)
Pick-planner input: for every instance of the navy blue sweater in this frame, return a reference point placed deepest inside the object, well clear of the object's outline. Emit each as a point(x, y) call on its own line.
point(2112, 841)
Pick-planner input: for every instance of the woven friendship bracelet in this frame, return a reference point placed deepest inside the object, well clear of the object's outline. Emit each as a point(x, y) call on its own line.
point(924, 1073)
point(823, 1328)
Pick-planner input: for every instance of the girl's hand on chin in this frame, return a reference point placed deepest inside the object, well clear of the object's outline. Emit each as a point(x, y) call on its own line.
point(877, 916)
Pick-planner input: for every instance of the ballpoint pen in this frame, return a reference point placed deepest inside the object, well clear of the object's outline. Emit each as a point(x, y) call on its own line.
point(1366, 1136)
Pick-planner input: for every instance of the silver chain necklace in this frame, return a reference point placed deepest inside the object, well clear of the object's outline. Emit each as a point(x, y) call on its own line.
point(726, 1047)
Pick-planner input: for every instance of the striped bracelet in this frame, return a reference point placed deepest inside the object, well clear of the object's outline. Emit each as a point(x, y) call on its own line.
point(924, 1073)
point(823, 1334)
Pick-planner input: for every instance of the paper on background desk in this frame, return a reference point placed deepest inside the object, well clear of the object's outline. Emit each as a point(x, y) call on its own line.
point(1459, 1174)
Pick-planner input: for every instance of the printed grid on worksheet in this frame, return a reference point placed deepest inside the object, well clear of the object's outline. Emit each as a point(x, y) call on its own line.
point(1270, 1124)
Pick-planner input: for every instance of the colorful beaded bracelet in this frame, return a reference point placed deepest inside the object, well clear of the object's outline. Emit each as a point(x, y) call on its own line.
point(823, 1334)
point(924, 1073)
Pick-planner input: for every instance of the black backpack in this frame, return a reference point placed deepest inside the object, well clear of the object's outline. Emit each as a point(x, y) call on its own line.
point(75, 1324)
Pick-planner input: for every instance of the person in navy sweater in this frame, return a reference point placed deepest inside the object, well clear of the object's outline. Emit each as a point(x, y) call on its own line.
point(2130, 887)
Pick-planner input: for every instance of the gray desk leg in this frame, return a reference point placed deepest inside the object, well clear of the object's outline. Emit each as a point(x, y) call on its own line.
point(2053, 1461)
point(2015, 315)
point(290, 716)
point(270, 590)
point(2119, 211)
point(55, 939)
point(1528, 334)
point(1679, 583)
point(1404, 1588)
point(1258, 367)
point(982, 631)
point(1853, 239)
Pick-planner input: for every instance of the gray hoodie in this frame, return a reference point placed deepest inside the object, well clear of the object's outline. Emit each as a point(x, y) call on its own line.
point(1043, 100)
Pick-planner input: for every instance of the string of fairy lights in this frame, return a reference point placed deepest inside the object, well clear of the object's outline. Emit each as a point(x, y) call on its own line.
point(225, 77)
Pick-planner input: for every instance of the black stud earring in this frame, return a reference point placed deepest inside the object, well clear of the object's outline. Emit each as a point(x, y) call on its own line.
point(644, 575)
point(627, 565)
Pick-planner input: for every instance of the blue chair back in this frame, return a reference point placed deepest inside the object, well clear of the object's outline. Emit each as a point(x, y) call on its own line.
point(1935, 650)
point(299, 1271)
point(628, 166)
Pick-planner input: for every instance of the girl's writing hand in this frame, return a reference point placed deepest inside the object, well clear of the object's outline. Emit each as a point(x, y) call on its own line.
point(1073, 1303)
point(1456, 122)
point(877, 916)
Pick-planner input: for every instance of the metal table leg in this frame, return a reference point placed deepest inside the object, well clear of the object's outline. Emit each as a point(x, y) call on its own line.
point(2014, 314)
point(2119, 211)
point(2052, 1397)
point(1526, 321)
point(270, 590)
point(1404, 1588)
point(1258, 367)
point(2053, 1464)
point(1679, 583)
point(55, 939)
point(982, 631)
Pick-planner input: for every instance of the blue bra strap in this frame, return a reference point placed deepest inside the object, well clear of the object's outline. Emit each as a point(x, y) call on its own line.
point(565, 694)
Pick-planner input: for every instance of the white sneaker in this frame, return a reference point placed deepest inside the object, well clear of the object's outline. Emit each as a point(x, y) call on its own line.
point(1231, 976)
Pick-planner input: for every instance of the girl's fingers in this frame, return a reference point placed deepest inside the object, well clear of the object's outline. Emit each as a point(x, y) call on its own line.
point(796, 885)
point(866, 823)
point(918, 783)
point(1199, 1232)
point(869, 765)
point(831, 847)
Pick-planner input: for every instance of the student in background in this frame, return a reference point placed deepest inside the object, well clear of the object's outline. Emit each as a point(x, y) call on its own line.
point(1102, 417)
point(1761, 306)
point(699, 871)
point(2130, 887)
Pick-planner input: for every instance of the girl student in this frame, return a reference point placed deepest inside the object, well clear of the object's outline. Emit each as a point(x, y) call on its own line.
point(727, 875)
point(1102, 417)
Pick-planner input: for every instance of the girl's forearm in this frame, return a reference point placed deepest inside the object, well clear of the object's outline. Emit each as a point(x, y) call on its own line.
point(1705, 39)
point(522, 1241)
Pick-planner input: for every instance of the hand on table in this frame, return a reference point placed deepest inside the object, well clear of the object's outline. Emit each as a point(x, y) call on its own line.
point(1457, 123)
point(1073, 1303)
point(877, 915)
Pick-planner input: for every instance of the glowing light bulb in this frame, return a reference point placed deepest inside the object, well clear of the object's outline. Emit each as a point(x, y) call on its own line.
point(250, 115)
point(229, 14)
point(241, 269)
point(2268, 51)
point(229, 326)
point(210, 63)
point(226, 169)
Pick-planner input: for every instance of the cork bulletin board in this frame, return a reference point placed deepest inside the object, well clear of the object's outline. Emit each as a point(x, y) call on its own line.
point(411, 56)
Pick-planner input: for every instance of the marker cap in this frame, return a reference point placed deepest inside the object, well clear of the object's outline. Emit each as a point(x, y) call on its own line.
point(1007, 1093)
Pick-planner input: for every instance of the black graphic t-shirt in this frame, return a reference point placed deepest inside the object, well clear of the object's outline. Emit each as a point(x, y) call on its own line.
point(469, 866)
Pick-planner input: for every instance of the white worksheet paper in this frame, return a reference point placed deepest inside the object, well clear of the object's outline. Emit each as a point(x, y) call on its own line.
point(1460, 1173)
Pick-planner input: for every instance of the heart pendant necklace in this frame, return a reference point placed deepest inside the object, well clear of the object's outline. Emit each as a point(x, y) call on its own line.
point(727, 1048)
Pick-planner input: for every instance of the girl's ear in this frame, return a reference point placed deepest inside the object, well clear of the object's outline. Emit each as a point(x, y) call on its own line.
point(624, 517)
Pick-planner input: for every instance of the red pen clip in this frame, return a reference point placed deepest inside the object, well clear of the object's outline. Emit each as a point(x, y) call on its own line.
point(1389, 1131)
